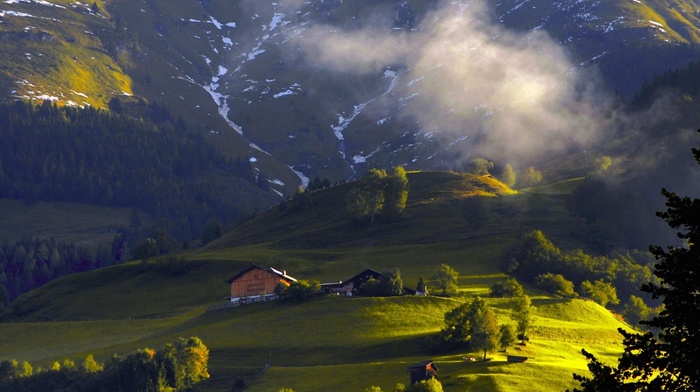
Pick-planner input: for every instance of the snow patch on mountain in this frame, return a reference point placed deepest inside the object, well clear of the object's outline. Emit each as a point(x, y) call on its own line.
point(33, 2)
point(304, 179)
point(363, 159)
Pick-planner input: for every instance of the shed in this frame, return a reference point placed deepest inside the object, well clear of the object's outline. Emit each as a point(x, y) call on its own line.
point(423, 370)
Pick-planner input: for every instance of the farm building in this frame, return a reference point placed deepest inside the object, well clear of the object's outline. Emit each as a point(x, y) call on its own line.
point(350, 286)
point(257, 283)
point(423, 370)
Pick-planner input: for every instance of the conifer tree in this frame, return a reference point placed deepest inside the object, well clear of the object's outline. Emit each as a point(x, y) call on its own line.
point(669, 360)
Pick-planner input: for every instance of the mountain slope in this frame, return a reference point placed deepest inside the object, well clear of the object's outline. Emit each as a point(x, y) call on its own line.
point(328, 88)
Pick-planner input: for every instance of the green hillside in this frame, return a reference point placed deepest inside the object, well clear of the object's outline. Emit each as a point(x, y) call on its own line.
point(330, 343)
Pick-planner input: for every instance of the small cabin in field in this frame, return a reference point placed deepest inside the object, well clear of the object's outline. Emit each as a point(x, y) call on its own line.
point(350, 286)
point(424, 370)
point(257, 283)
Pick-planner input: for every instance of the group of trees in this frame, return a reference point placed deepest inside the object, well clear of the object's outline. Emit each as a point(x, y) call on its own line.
point(388, 285)
point(30, 263)
point(475, 325)
point(511, 288)
point(528, 177)
point(667, 359)
point(175, 367)
point(604, 279)
point(379, 193)
point(91, 156)
point(298, 291)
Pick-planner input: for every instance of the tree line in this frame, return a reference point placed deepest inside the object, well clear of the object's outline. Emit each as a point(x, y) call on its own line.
point(175, 367)
point(30, 263)
point(604, 279)
point(51, 153)
point(666, 358)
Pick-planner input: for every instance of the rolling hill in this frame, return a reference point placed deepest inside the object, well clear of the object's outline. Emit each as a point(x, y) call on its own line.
point(337, 343)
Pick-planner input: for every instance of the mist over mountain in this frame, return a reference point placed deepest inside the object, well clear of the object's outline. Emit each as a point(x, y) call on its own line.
point(330, 88)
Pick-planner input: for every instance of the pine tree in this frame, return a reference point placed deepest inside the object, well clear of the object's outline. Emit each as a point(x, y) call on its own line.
point(668, 361)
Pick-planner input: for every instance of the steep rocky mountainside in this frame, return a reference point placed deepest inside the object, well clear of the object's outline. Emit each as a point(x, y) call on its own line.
point(327, 88)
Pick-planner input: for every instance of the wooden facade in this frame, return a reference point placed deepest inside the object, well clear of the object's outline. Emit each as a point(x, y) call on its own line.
point(257, 283)
point(423, 370)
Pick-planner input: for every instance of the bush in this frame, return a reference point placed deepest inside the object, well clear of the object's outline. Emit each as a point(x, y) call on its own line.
point(507, 288)
point(431, 385)
point(555, 284)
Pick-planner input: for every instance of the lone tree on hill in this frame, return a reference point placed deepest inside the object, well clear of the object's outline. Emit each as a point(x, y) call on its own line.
point(445, 278)
point(473, 323)
point(480, 166)
point(531, 177)
point(669, 361)
point(395, 193)
point(508, 176)
point(486, 334)
point(378, 193)
point(523, 316)
point(367, 197)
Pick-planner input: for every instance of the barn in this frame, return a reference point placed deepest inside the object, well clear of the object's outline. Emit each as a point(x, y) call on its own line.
point(350, 286)
point(257, 283)
point(423, 370)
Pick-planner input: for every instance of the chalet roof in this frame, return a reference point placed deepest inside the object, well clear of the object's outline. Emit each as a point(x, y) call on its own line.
point(422, 364)
point(368, 271)
point(282, 274)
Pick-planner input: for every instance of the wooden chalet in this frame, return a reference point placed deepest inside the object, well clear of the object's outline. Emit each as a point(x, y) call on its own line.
point(257, 283)
point(350, 286)
point(424, 370)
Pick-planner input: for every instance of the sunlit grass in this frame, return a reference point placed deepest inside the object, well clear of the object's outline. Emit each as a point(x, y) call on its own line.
point(330, 341)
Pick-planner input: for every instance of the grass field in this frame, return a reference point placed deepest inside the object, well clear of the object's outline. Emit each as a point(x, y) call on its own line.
point(67, 222)
point(330, 343)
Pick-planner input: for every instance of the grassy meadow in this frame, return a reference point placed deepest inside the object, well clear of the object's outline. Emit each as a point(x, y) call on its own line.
point(68, 222)
point(329, 343)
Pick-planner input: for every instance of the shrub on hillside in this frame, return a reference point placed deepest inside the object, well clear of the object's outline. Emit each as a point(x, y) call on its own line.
point(507, 288)
point(555, 284)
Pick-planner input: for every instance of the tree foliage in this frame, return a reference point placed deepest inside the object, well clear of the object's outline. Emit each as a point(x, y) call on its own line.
point(479, 166)
point(300, 290)
point(522, 314)
point(508, 336)
point(555, 284)
point(395, 193)
point(508, 176)
point(507, 288)
point(472, 323)
point(599, 291)
point(430, 385)
point(176, 367)
point(669, 360)
point(531, 177)
point(389, 284)
point(445, 278)
point(378, 193)
point(486, 333)
point(91, 156)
